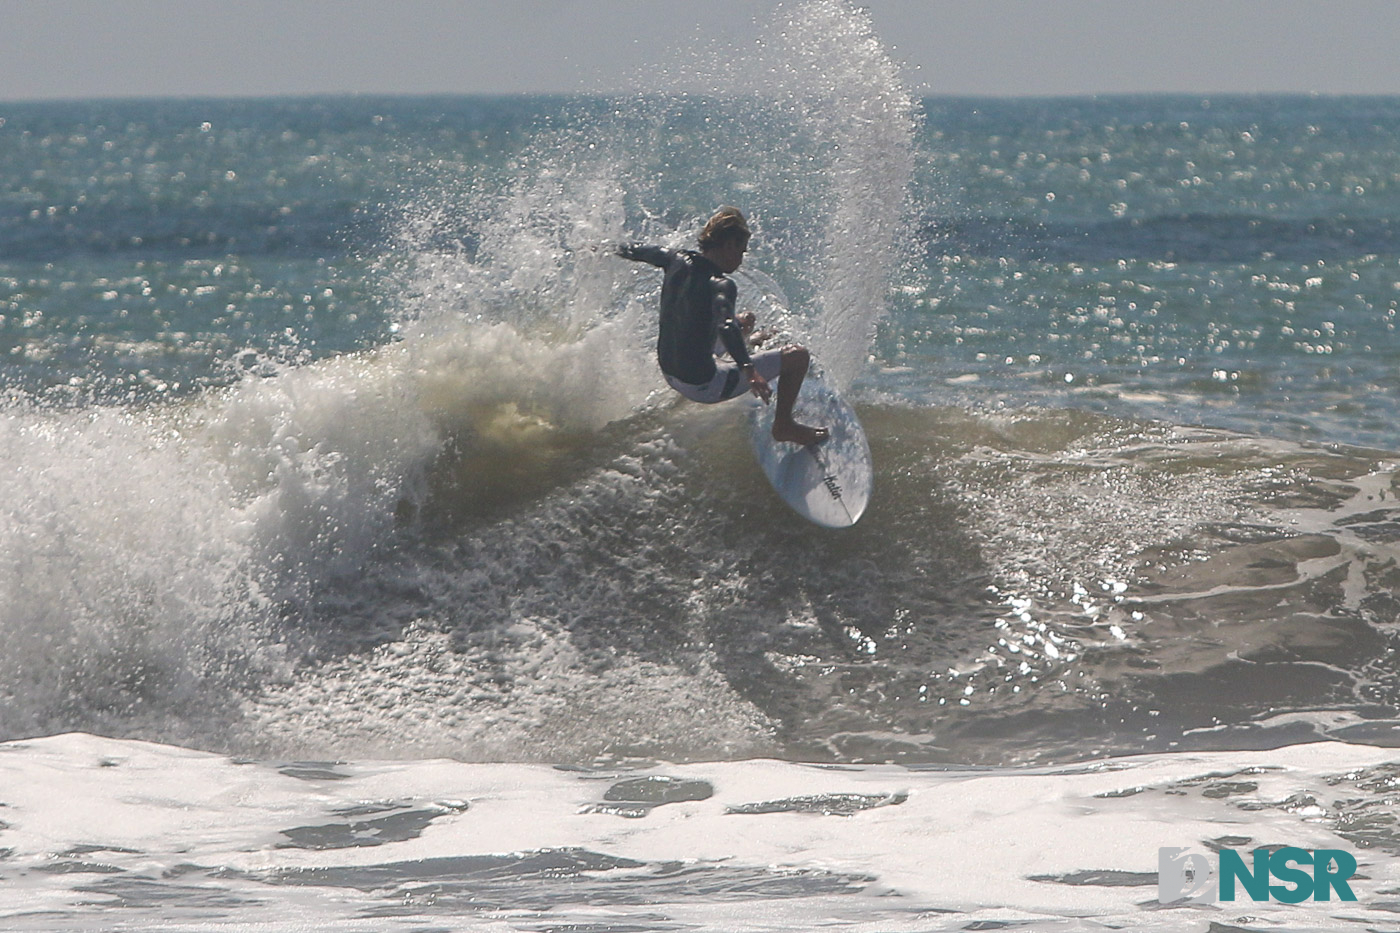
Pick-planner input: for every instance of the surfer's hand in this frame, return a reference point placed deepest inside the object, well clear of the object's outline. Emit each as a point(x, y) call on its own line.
point(758, 385)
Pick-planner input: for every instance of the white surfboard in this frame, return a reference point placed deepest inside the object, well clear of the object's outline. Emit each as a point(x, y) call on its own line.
point(829, 483)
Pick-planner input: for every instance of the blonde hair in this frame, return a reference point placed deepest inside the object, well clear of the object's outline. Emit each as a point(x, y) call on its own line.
point(727, 224)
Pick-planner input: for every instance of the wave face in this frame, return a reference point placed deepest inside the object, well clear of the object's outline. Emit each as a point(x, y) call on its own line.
point(1024, 588)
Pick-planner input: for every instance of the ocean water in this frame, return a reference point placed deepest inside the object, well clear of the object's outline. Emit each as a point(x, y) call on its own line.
point(359, 572)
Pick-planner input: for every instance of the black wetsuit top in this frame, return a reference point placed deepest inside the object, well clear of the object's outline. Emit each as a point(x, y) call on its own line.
point(697, 308)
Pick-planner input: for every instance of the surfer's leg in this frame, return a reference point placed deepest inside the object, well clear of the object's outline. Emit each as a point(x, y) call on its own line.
point(768, 364)
point(795, 363)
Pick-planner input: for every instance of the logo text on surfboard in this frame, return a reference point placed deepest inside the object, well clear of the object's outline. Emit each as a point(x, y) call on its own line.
point(833, 487)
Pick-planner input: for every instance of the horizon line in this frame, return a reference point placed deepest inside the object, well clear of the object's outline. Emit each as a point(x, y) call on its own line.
point(1204, 96)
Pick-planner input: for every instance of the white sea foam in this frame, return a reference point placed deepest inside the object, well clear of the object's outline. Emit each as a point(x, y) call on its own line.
point(150, 555)
point(98, 829)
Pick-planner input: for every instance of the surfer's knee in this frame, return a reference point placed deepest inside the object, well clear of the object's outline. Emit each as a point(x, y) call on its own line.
point(796, 358)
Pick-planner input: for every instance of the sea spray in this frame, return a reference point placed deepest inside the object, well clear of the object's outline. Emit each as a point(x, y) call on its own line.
point(153, 554)
point(850, 95)
point(816, 119)
point(813, 116)
point(127, 584)
point(809, 129)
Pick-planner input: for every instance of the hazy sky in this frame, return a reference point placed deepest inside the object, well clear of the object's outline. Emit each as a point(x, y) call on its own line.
point(103, 48)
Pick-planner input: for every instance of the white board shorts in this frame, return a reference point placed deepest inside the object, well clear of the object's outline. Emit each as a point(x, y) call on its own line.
point(729, 380)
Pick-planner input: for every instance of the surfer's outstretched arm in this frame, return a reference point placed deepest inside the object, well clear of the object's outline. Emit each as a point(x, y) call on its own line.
point(654, 255)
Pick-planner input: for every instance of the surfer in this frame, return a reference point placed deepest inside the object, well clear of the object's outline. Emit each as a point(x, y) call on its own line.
point(699, 326)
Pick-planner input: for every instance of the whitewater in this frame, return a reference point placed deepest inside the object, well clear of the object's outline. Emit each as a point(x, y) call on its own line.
point(359, 572)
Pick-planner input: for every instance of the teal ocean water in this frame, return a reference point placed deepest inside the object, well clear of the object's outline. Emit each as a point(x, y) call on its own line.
point(1227, 256)
point(330, 430)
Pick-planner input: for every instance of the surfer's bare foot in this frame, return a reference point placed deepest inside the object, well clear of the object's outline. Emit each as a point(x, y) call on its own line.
point(794, 433)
